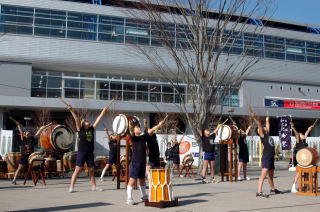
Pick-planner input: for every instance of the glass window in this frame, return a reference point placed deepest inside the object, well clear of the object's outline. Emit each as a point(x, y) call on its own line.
point(160, 34)
point(71, 83)
point(116, 85)
point(274, 47)
point(39, 81)
point(232, 43)
point(111, 29)
point(87, 84)
point(54, 82)
point(295, 50)
point(137, 32)
point(253, 44)
point(38, 92)
point(53, 93)
point(86, 94)
point(82, 26)
point(313, 52)
point(71, 93)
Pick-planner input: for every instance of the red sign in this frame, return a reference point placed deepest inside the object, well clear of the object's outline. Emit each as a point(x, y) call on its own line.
point(302, 104)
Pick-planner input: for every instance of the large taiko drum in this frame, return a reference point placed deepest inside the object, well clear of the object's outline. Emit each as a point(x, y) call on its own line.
point(187, 158)
point(12, 159)
point(307, 157)
point(57, 137)
point(121, 123)
point(36, 159)
point(51, 164)
point(227, 132)
point(69, 160)
point(160, 185)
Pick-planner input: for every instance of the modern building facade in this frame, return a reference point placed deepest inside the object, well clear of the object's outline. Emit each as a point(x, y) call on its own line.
point(82, 52)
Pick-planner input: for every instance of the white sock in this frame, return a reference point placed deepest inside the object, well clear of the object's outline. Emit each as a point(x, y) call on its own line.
point(293, 185)
point(129, 192)
point(103, 173)
point(143, 191)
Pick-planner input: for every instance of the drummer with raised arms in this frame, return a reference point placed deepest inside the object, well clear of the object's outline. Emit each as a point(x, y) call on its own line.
point(86, 133)
point(300, 144)
point(267, 156)
point(153, 149)
point(113, 147)
point(138, 161)
point(243, 152)
point(27, 147)
point(207, 141)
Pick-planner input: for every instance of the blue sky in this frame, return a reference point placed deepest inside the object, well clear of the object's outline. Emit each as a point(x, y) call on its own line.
point(305, 11)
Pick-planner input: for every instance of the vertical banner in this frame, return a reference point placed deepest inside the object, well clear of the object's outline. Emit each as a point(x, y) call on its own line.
point(285, 132)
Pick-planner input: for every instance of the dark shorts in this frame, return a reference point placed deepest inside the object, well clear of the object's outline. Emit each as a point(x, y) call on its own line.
point(176, 160)
point(268, 162)
point(154, 162)
point(244, 158)
point(209, 156)
point(24, 159)
point(112, 160)
point(85, 157)
point(137, 170)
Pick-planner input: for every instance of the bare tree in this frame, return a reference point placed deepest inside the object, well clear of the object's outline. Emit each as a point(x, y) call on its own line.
point(199, 40)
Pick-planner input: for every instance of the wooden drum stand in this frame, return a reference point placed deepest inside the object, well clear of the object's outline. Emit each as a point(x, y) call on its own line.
point(123, 177)
point(231, 163)
point(308, 180)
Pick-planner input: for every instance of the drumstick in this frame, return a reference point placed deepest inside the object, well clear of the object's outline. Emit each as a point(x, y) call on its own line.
point(315, 122)
point(250, 108)
point(64, 102)
point(13, 120)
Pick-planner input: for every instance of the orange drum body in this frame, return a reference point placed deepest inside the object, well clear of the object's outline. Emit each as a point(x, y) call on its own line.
point(307, 157)
point(122, 122)
point(51, 165)
point(227, 132)
point(36, 159)
point(12, 159)
point(160, 185)
point(69, 161)
point(57, 137)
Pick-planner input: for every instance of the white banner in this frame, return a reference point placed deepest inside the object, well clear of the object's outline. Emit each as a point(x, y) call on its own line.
point(5, 141)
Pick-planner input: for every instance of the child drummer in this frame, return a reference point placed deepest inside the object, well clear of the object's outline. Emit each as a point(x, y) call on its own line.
point(267, 156)
point(113, 147)
point(138, 161)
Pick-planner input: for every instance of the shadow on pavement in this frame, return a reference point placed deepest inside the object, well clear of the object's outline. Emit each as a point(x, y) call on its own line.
point(280, 207)
point(67, 207)
point(191, 201)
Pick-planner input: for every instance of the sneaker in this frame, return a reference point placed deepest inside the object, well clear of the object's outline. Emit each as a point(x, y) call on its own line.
point(240, 178)
point(294, 190)
point(261, 194)
point(71, 190)
point(204, 180)
point(14, 182)
point(214, 180)
point(275, 191)
point(97, 189)
point(101, 179)
point(144, 198)
point(247, 178)
point(130, 202)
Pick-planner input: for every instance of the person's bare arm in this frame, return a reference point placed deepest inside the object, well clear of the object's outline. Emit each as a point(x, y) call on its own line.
point(267, 124)
point(99, 118)
point(41, 129)
point(75, 117)
point(155, 128)
point(248, 130)
point(199, 132)
point(19, 127)
point(308, 131)
point(258, 123)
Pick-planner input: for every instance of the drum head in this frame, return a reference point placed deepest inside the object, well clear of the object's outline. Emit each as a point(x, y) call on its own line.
point(304, 157)
point(62, 138)
point(224, 133)
point(120, 124)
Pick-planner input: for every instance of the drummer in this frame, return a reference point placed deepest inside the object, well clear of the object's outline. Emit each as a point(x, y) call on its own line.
point(300, 144)
point(113, 147)
point(267, 156)
point(207, 141)
point(243, 152)
point(138, 160)
point(86, 133)
point(27, 147)
point(153, 149)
